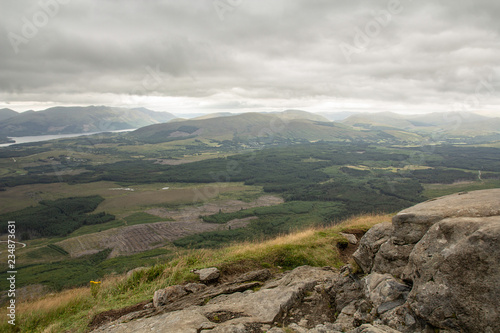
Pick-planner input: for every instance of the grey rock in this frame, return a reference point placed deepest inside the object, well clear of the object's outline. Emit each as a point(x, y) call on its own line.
point(345, 320)
point(237, 328)
point(208, 326)
point(303, 322)
point(364, 313)
point(370, 244)
point(297, 328)
point(445, 247)
point(168, 295)
point(350, 238)
point(411, 224)
point(368, 328)
point(260, 275)
point(345, 290)
point(132, 271)
point(184, 321)
point(384, 307)
point(275, 298)
point(275, 330)
point(324, 328)
point(403, 319)
point(207, 274)
point(194, 287)
point(455, 270)
point(384, 291)
point(392, 258)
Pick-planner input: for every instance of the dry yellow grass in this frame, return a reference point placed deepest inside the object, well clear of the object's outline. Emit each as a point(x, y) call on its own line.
point(257, 247)
point(365, 221)
point(72, 310)
point(50, 301)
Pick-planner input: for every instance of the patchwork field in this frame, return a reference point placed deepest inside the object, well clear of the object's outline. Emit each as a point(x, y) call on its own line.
point(119, 200)
point(186, 221)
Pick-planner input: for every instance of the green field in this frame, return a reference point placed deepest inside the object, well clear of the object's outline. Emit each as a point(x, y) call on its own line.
point(438, 190)
point(141, 184)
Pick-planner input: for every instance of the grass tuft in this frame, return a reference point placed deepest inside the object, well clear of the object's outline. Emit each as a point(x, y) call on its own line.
point(72, 310)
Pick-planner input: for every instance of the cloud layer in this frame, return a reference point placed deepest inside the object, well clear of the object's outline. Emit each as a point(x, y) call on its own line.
point(319, 55)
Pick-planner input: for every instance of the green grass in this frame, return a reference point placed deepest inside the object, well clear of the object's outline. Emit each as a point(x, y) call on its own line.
point(272, 221)
point(292, 207)
point(63, 272)
point(39, 254)
point(90, 229)
point(72, 310)
point(438, 190)
point(58, 249)
point(248, 194)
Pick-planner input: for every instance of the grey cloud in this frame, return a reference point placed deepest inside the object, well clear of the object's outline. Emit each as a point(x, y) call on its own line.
point(429, 53)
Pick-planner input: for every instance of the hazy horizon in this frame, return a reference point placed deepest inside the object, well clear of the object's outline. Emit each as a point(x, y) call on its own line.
point(243, 56)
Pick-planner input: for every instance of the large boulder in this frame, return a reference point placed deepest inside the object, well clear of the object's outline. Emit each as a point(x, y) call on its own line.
point(455, 269)
point(448, 250)
point(411, 224)
point(436, 267)
point(274, 299)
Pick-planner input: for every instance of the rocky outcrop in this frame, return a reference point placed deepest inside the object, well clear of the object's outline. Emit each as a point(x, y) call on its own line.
point(448, 251)
point(455, 270)
point(436, 267)
point(236, 306)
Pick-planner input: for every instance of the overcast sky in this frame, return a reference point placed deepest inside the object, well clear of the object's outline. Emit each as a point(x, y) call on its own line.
point(252, 55)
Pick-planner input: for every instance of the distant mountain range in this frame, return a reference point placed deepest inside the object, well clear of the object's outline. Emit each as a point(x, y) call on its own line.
point(449, 124)
point(7, 113)
point(288, 125)
point(69, 120)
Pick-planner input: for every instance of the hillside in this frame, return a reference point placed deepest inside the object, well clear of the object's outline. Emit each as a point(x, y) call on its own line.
point(252, 126)
point(67, 120)
point(214, 115)
point(7, 113)
point(73, 310)
point(380, 120)
point(362, 275)
point(4, 139)
point(448, 125)
point(337, 116)
point(299, 114)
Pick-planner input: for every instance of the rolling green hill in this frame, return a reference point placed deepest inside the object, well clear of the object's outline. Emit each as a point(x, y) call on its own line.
point(380, 120)
point(458, 125)
point(299, 114)
point(66, 120)
point(250, 127)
